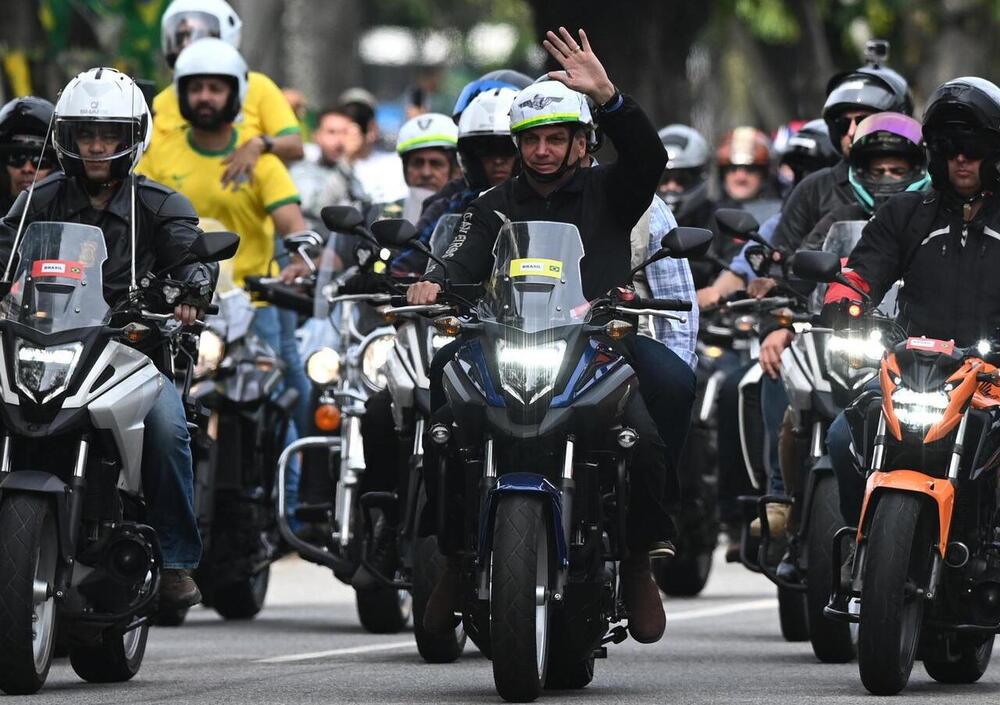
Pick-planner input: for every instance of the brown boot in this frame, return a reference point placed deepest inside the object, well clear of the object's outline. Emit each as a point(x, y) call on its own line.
point(646, 620)
point(439, 612)
point(178, 589)
point(777, 520)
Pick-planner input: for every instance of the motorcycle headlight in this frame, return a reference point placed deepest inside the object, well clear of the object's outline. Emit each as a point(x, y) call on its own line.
point(211, 348)
point(323, 366)
point(919, 409)
point(373, 358)
point(853, 360)
point(44, 373)
point(528, 373)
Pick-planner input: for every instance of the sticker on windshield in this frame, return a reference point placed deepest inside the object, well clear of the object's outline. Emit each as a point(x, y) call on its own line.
point(69, 269)
point(533, 267)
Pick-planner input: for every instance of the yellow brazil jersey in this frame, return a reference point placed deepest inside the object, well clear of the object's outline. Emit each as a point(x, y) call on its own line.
point(265, 110)
point(174, 161)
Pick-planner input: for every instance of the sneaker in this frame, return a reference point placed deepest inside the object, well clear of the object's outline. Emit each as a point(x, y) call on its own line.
point(439, 612)
point(178, 589)
point(777, 520)
point(662, 551)
point(646, 620)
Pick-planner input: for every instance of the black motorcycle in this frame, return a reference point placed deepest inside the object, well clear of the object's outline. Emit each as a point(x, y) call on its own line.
point(537, 392)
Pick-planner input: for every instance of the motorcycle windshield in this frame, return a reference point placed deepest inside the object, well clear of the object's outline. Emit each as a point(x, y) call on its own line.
point(58, 284)
point(843, 236)
point(535, 284)
point(444, 233)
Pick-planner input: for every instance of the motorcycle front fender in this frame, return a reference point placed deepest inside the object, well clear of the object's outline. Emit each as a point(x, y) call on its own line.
point(37, 482)
point(938, 489)
point(522, 483)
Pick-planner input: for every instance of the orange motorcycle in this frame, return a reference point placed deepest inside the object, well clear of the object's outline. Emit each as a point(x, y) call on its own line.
point(925, 578)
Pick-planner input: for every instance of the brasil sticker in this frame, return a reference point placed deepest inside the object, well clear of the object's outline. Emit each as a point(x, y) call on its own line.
point(533, 267)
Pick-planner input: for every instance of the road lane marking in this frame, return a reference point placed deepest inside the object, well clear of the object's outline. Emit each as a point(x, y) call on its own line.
point(348, 651)
point(767, 603)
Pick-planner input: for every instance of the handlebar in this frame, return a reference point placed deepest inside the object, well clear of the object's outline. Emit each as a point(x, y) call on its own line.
point(656, 305)
point(432, 309)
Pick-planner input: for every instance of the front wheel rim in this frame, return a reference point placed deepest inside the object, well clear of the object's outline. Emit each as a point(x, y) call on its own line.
point(542, 601)
point(43, 615)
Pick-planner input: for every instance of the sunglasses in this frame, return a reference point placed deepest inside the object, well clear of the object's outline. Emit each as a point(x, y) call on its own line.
point(685, 178)
point(844, 122)
point(16, 160)
point(972, 147)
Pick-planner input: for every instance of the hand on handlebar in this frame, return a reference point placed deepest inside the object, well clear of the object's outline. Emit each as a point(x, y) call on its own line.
point(423, 293)
point(187, 314)
point(295, 268)
point(758, 288)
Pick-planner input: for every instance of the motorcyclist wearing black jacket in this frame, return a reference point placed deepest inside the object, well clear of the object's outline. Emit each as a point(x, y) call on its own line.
point(604, 202)
point(102, 127)
point(944, 245)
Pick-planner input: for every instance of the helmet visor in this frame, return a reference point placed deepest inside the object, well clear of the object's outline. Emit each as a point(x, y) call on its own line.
point(183, 28)
point(858, 94)
point(894, 123)
point(96, 140)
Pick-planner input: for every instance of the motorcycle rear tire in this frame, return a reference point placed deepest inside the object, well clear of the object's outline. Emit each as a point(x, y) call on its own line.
point(243, 599)
point(169, 617)
point(972, 662)
point(115, 660)
point(428, 564)
point(563, 674)
point(832, 641)
point(28, 537)
point(384, 610)
point(898, 553)
point(793, 615)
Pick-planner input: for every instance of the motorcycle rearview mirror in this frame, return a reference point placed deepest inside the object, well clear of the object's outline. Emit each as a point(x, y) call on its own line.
point(736, 222)
point(342, 218)
point(687, 242)
point(823, 267)
point(394, 232)
point(215, 247)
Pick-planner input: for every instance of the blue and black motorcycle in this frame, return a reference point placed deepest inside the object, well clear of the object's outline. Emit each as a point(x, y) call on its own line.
point(540, 455)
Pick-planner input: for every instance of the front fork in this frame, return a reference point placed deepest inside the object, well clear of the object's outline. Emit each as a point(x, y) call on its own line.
point(352, 465)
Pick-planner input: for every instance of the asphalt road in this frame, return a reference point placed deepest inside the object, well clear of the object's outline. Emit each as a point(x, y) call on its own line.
point(307, 647)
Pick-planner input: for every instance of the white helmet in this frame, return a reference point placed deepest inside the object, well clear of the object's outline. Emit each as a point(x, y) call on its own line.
point(427, 130)
point(484, 131)
point(187, 20)
point(212, 57)
point(101, 102)
point(549, 103)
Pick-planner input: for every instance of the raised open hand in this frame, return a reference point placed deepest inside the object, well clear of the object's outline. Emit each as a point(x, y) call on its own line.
point(582, 70)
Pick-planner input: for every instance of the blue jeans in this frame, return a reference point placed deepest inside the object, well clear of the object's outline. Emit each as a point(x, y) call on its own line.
point(274, 328)
point(168, 480)
point(850, 477)
point(667, 385)
point(773, 402)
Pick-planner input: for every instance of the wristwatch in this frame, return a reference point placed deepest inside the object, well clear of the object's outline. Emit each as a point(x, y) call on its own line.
point(268, 144)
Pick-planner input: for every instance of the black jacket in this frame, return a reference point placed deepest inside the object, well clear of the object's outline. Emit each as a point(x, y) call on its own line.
point(604, 202)
point(167, 225)
point(817, 194)
point(949, 289)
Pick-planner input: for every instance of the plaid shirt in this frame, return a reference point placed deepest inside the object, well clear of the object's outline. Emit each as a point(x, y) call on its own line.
point(671, 279)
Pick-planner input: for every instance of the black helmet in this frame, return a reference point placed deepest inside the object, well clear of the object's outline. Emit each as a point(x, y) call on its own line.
point(809, 150)
point(24, 122)
point(966, 108)
point(877, 88)
point(886, 135)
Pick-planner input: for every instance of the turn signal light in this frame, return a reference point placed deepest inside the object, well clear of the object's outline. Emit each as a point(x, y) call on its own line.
point(327, 417)
point(448, 325)
point(854, 310)
point(617, 330)
point(134, 332)
point(783, 316)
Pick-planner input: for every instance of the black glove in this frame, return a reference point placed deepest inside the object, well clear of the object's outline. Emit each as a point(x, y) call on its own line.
point(365, 282)
point(841, 315)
